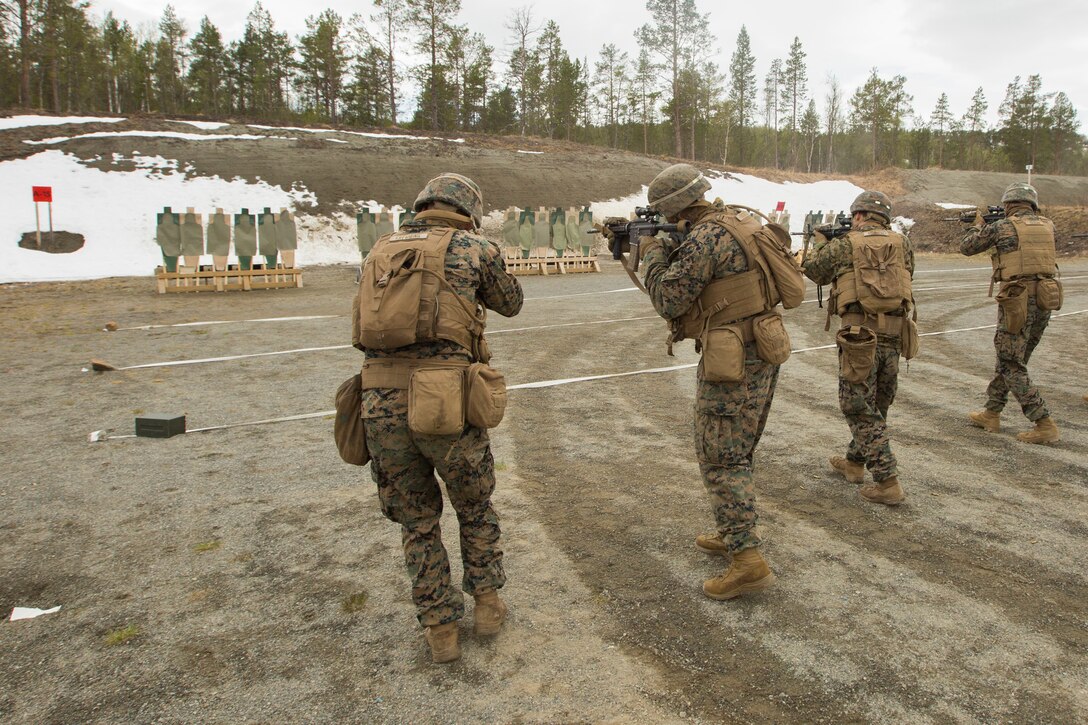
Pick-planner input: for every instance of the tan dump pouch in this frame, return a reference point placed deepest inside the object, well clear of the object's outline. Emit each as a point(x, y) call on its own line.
point(1013, 299)
point(485, 396)
point(772, 340)
point(347, 428)
point(724, 301)
point(910, 342)
point(436, 401)
point(723, 352)
point(1048, 294)
point(857, 353)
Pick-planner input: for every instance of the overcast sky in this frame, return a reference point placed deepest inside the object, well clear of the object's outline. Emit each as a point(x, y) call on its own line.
point(951, 46)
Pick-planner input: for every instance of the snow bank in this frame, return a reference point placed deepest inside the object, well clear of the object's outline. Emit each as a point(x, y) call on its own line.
point(759, 194)
point(204, 125)
point(952, 205)
point(160, 134)
point(115, 212)
point(364, 134)
point(7, 124)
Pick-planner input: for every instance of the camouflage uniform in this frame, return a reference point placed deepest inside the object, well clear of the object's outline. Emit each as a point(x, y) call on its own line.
point(403, 463)
point(729, 417)
point(866, 404)
point(1013, 351)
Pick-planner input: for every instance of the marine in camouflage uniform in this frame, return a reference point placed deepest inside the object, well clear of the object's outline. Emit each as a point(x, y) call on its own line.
point(865, 405)
point(729, 417)
point(404, 462)
point(1014, 350)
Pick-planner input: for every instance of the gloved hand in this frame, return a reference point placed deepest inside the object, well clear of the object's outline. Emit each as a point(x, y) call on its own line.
point(625, 247)
point(979, 221)
point(646, 245)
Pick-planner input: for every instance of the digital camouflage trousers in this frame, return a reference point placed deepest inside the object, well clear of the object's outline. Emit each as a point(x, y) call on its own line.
point(1011, 371)
point(403, 464)
point(865, 406)
point(729, 420)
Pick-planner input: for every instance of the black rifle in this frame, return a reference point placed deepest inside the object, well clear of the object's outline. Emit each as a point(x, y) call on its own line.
point(626, 234)
point(993, 213)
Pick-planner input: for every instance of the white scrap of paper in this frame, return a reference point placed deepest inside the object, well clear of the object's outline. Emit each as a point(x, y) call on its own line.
point(96, 436)
point(30, 612)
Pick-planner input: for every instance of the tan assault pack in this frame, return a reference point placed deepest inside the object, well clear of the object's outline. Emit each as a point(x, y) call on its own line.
point(879, 280)
point(773, 277)
point(404, 297)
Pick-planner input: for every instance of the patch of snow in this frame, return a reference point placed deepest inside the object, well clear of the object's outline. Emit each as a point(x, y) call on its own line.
point(335, 140)
point(902, 224)
point(204, 125)
point(364, 134)
point(159, 134)
point(7, 124)
point(115, 212)
point(950, 205)
point(832, 195)
point(535, 153)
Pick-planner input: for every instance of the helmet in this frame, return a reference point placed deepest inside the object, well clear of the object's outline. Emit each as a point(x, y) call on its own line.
point(1021, 191)
point(874, 201)
point(676, 188)
point(455, 190)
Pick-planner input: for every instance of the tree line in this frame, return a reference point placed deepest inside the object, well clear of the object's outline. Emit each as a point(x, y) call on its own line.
point(410, 63)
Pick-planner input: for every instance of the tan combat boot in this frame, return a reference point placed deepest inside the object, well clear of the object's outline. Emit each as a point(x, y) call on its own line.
point(489, 614)
point(988, 420)
point(1045, 432)
point(852, 472)
point(443, 641)
point(748, 573)
point(711, 544)
point(887, 492)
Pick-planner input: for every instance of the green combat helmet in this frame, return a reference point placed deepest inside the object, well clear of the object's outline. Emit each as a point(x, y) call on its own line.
point(875, 201)
point(675, 189)
point(457, 191)
point(1021, 191)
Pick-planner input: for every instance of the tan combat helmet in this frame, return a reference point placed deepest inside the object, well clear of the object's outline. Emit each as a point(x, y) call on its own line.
point(876, 202)
point(1021, 191)
point(457, 191)
point(675, 189)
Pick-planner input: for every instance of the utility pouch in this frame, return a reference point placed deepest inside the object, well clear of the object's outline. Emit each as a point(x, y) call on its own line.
point(436, 401)
point(485, 396)
point(1048, 294)
point(1014, 304)
point(857, 353)
point(772, 340)
point(909, 339)
point(347, 428)
point(723, 355)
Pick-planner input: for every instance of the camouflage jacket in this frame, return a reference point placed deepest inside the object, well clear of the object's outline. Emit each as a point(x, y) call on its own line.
point(999, 236)
point(675, 280)
point(829, 259)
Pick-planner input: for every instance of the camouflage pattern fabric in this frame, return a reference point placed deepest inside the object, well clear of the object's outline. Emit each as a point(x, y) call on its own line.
point(729, 417)
point(1013, 351)
point(865, 405)
point(403, 463)
point(1011, 370)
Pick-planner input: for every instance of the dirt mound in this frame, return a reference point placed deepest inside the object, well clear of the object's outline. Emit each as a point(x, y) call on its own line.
point(53, 242)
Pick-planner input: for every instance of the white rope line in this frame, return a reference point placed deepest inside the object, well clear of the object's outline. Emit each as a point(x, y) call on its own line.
point(299, 318)
point(100, 436)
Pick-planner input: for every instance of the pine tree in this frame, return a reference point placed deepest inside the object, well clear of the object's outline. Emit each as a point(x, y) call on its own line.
point(1064, 125)
point(772, 101)
point(170, 57)
point(609, 81)
point(794, 92)
point(671, 36)
point(940, 120)
point(433, 19)
point(324, 62)
point(207, 71)
point(810, 131)
point(644, 94)
point(833, 118)
point(742, 88)
point(390, 17)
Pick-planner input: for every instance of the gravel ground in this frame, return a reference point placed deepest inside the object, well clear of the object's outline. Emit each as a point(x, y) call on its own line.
point(229, 558)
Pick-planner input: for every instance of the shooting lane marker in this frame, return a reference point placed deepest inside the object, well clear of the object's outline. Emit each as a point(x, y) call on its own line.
point(228, 322)
point(103, 435)
point(102, 366)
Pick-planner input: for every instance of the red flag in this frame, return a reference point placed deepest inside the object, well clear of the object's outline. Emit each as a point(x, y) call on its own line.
point(42, 193)
point(781, 206)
